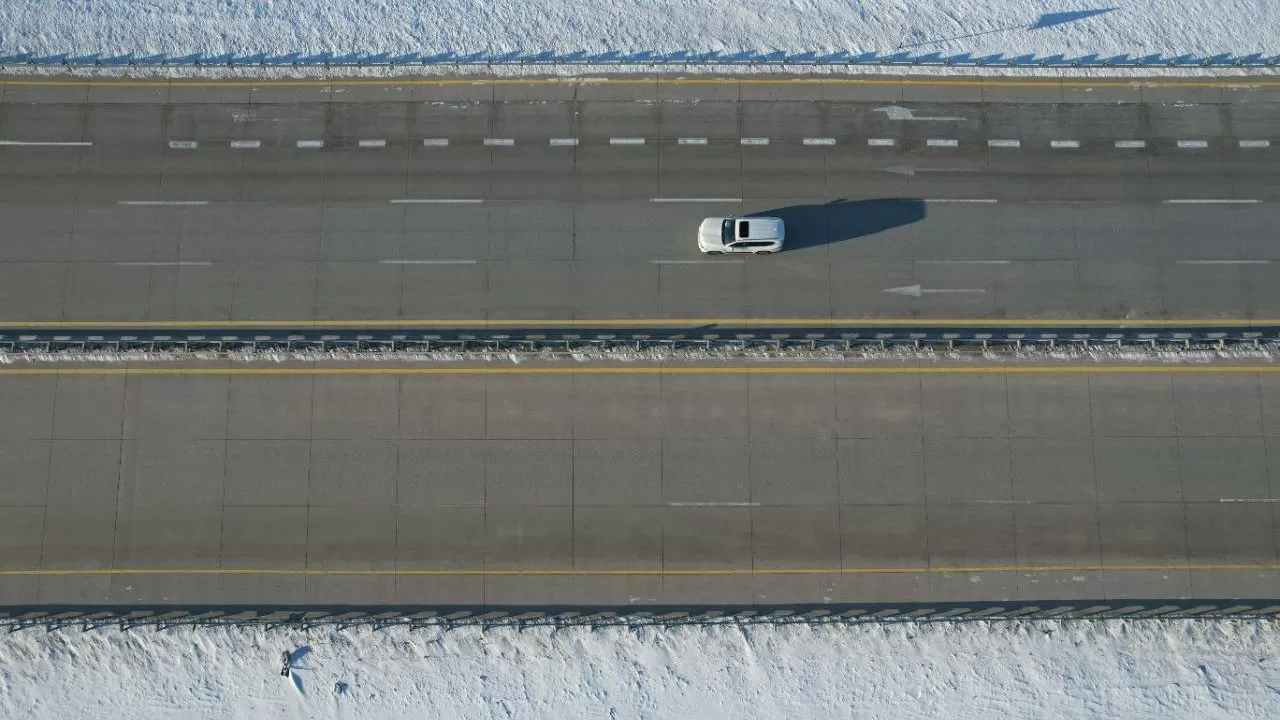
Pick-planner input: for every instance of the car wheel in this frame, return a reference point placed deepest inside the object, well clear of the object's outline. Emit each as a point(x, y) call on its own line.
point(764, 252)
point(714, 252)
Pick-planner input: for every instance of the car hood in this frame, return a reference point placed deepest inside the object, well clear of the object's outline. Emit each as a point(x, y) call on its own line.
point(709, 233)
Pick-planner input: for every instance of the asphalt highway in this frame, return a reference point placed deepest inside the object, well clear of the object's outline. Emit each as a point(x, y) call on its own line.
point(197, 210)
point(563, 201)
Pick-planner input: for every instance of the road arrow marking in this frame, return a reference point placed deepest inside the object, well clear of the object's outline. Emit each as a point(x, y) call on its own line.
point(917, 291)
point(897, 112)
point(910, 170)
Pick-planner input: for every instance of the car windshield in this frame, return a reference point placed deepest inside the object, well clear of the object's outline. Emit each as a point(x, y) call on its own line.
point(726, 232)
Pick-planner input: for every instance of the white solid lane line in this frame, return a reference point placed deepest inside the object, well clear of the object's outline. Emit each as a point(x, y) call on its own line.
point(27, 143)
point(1211, 201)
point(695, 200)
point(164, 202)
point(182, 263)
point(435, 201)
point(427, 262)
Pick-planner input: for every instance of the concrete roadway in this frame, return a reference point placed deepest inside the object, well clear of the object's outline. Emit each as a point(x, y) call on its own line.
point(290, 233)
point(639, 488)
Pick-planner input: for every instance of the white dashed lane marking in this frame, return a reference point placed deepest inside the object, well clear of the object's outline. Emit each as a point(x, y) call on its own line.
point(964, 262)
point(693, 141)
point(626, 141)
point(499, 142)
point(1064, 144)
point(246, 144)
point(942, 142)
point(183, 144)
point(727, 261)
point(1254, 144)
point(695, 200)
point(164, 202)
point(563, 142)
point(435, 201)
point(181, 263)
point(310, 144)
point(25, 143)
point(426, 262)
point(1193, 144)
point(987, 201)
point(753, 141)
point(435, 142)
point(1004, 143)
point(1130, 144)
point(1224, 262)
point(819, 141)
point(881, 142)
point(374, 143)
point(1211, 201)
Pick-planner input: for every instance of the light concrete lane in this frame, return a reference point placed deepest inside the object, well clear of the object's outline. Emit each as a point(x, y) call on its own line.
point(638, 488)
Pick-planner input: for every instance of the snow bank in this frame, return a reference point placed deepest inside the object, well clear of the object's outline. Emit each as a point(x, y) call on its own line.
point(1199, 669)
point(979, 27)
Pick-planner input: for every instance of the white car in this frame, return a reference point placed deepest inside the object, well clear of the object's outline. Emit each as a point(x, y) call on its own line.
point(759, 235)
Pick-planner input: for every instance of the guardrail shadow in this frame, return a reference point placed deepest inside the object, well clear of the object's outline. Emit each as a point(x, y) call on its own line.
point(843, 220)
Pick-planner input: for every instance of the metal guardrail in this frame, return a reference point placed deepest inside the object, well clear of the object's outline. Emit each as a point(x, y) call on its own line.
point(680, 58)
point(88, 617)
point(704, 337)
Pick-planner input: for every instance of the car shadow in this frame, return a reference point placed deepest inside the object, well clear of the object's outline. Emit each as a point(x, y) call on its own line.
point(840, 220)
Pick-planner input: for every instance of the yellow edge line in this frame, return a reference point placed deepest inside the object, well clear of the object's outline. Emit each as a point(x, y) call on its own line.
point(1261, 567)
point(675, 323)
point(1243, 82)
point(653, 370)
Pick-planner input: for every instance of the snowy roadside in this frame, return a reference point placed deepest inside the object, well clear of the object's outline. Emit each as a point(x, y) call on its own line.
point(588, 74)
point(592, 29)
point(1012, 355)
point(1127, 669)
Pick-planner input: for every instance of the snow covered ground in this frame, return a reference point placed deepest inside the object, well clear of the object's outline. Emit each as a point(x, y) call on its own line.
point(1200, 669)
point(980, 27)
